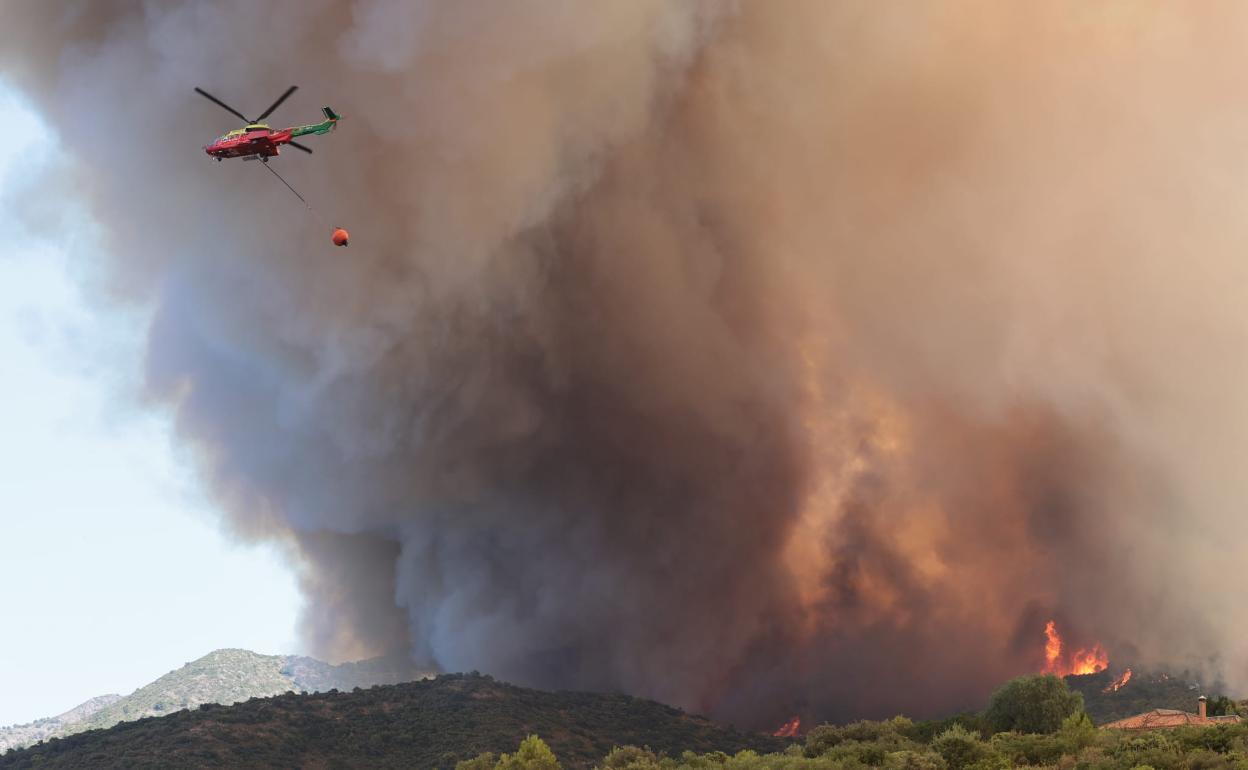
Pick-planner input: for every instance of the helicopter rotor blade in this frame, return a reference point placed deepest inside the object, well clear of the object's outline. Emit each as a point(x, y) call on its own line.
point(275, 104)
point(298, 146)
point(220, 103)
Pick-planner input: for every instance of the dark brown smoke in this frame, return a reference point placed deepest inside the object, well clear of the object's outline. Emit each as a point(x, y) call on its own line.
point(759, 358)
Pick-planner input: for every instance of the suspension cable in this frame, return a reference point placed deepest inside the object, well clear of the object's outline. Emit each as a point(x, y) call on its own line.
point(314, 212)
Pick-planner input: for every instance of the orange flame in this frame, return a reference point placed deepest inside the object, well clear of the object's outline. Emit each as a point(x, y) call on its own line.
point(789, 729)
point(1083, 661)
point(1117, 684)
point(1052, 648)
point(1089, 661)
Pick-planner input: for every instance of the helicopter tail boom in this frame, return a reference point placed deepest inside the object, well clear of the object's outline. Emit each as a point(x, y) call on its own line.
point(324, 127)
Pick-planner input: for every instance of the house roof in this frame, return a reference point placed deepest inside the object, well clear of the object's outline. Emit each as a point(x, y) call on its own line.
point(1163, 718)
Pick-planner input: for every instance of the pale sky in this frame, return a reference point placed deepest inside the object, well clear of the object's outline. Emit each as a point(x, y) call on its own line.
point(113, 569)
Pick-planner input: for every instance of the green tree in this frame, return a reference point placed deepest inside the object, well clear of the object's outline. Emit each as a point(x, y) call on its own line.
point(1032, 704)
point(1077, 732)
point(533, 754)
point(1220, 705)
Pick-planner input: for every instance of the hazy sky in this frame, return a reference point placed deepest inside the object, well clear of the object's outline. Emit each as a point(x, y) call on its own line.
point(112, 567)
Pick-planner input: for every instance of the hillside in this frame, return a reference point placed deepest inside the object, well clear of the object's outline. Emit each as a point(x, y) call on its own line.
point(61, 724)
point(1142, 692)
point(312, 675)
point(223, 677)
point(426, 724)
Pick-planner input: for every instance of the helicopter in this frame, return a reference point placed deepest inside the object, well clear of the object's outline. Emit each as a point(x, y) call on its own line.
point(256, 140)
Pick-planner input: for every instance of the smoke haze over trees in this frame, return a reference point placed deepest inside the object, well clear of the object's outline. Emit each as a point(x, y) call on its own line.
point(757, 358)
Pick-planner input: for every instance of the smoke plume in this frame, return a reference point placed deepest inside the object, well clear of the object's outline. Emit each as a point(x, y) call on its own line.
point(758, 358)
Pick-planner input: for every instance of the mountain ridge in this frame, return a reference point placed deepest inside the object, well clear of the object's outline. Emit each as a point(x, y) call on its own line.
point(27, 733)
point(430, 723)
point(223, 676)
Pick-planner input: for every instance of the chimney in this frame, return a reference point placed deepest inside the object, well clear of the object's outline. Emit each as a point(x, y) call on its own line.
point(1201, 706)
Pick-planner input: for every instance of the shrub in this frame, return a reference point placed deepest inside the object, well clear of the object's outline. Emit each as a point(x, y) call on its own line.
point(1028, 748)
point(1220, 738)
point(961, 748)
point(630, 758)
point(713, 759)
point(1154, 748)
point(926, 731)
point(896, 734)
point(822, 738)
point(1204, 759)
point(914, 760)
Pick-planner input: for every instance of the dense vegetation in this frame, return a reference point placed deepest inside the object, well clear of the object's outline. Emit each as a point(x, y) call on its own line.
point(1075, 746)
point(471, 722)
point(1049, 730)
point(429, 724)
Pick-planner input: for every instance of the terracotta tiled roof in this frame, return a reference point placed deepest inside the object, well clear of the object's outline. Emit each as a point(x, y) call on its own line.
point(1162, 718)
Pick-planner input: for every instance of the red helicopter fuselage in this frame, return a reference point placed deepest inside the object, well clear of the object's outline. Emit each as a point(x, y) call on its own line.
point(260, 141)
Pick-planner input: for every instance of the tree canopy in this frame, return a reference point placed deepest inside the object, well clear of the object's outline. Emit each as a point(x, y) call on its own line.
point(1032, 704)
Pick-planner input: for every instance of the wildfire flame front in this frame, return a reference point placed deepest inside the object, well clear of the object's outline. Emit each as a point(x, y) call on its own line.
point(789, 729)
point(1083, 661)
point(1117, 684)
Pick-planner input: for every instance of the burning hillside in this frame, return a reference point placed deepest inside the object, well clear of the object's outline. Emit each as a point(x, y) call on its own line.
point(1118, 682)
point(759, 360)
point(789, 729)
point(1115, 694)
